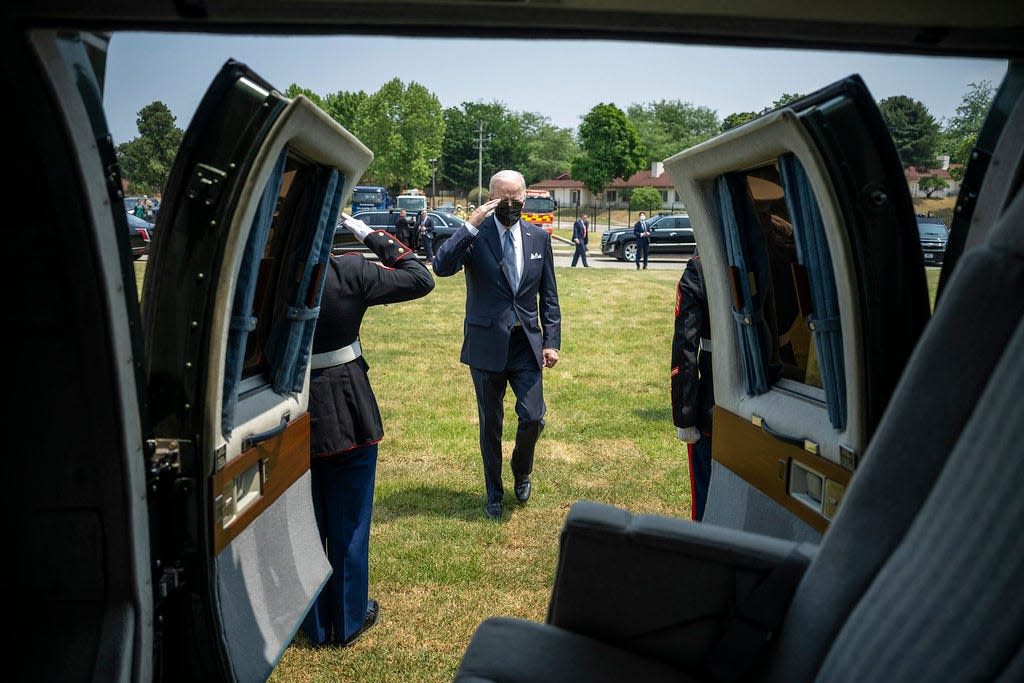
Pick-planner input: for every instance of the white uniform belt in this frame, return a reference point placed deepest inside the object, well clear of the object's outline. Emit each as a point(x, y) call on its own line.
point(327, 359)
point(705, 344)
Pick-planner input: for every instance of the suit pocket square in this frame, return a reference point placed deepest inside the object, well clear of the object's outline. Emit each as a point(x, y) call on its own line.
point(535, 256)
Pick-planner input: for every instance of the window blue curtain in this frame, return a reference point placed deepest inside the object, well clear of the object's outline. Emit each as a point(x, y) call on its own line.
point(812, 251)
point(292, 339)
point(242, 319)
point(745, 249)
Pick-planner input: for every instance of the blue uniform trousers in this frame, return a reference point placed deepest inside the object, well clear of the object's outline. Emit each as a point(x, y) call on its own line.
point(343, 502)
point(700, 474)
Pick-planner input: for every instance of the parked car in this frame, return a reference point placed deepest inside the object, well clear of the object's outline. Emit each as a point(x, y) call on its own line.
point(934, 236)
point(140, 234)
point(670, 234)
point(445, 225)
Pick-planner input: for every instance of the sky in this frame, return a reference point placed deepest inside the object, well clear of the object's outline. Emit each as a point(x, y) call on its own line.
point(560, 79)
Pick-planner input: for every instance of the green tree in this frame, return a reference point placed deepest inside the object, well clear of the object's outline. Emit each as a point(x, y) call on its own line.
point(146, 160)
point(294, 90)
point(645, 199)
point(931, 184)
point(610, 148)
point(784, 99)
point(549, 149)
point(667, 127)
point(738, 119)
point(961, 132)
point(504, 142)
point(343, 105)
point(404, 128)
point(913, 129)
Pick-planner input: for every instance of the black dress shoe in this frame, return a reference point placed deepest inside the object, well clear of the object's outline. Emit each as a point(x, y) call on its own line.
point(493, 510)
point(523, 489)
point(372, 613)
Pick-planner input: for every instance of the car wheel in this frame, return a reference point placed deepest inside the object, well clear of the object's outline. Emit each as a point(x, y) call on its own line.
point(629, 251)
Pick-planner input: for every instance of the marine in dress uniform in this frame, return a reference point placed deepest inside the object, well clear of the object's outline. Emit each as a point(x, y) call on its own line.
point(692, 386)
point(346, 425)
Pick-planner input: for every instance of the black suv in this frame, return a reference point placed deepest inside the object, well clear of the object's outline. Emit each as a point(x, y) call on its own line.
point(670, 234)
point(934, 235)
point(445, 225)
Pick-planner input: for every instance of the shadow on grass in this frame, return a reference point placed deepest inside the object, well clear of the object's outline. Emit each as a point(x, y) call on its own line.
point(654, 414)
point(429, 500)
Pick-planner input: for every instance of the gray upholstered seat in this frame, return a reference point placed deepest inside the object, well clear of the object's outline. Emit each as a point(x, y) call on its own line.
point(919, 577)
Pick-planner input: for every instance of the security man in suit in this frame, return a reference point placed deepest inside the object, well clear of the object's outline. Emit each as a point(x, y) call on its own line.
point(425, 228)
point(580, 237)
point(643, 240)
point(512, 327)
point(404, 229)
point(692, 391)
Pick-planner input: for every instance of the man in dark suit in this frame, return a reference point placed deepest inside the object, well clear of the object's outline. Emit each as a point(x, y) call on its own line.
point(643, 240)
point(693, 391)
point(425, 227)
point(580, 237)
point(512, 327)
point(404, 229)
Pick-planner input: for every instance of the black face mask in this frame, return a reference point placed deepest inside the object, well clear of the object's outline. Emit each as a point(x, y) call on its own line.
point(508, 211)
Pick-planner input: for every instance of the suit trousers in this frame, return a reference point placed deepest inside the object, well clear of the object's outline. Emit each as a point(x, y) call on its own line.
point(428, 246)
point(526, 380)
point(343, 502)
point(643, 250)
point(581, 252)
point(700, 474)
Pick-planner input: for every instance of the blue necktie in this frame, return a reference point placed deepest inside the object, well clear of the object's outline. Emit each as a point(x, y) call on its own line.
point(509, 255)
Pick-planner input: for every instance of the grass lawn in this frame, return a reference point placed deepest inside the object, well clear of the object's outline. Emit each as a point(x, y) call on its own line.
point(437, 565)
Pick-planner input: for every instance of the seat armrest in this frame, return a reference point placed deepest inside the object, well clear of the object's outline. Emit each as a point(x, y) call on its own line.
point(658, 586)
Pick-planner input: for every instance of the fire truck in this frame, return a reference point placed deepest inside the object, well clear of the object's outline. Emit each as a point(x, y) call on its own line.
point(539, 209)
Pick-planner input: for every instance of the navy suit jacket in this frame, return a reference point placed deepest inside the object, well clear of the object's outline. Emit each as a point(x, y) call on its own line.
point(638, 230)
point(491, 305)
point(577, 232)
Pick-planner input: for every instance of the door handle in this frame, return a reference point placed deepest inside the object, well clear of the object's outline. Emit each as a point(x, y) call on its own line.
point(800, 442)
point(256, 439)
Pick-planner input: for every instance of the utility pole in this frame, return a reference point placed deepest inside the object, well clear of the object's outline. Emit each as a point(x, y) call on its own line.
point(480, 164)
point(433, 183)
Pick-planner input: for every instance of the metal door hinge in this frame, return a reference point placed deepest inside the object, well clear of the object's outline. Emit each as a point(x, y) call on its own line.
point(163, 455)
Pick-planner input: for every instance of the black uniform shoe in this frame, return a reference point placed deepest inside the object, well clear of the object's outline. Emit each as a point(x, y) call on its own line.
point(493, 510)
point(372, 613)
point(523, 489)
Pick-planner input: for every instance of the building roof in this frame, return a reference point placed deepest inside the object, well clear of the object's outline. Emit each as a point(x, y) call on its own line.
point(913, 173)
point(639, 179)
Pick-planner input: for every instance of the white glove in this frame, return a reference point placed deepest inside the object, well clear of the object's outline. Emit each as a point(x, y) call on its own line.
point(688, 434)
point(356, 227)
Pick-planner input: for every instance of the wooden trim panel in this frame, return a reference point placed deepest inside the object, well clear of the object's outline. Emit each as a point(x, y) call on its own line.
point(266, 470)
point(766, 463)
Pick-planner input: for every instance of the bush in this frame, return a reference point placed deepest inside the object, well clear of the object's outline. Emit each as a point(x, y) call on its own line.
point(645, 199)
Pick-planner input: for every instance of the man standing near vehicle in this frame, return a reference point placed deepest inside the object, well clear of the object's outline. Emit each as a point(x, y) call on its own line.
point(693, 395)
point(580, 237)
point(426, 235)
point(403, 229)
point(512, 327)
point(643, 240)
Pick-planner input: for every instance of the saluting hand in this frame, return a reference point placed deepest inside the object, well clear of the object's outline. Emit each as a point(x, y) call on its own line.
point(481, 212)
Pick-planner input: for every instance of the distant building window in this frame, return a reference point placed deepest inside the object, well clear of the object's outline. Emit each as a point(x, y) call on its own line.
point(664, 196)
point(609, 196)
point(574, 196)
